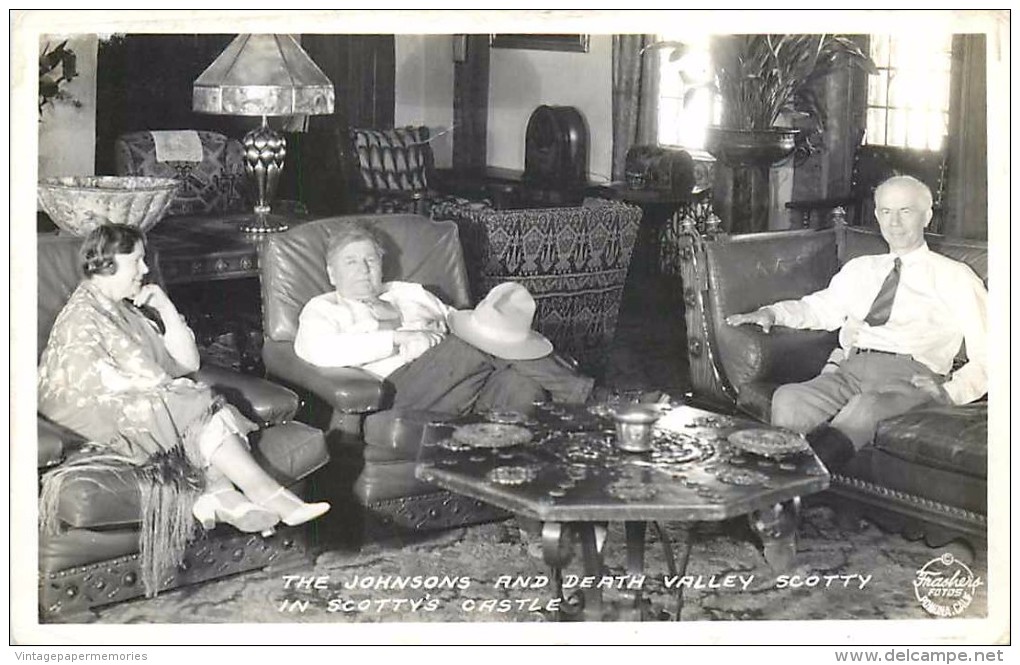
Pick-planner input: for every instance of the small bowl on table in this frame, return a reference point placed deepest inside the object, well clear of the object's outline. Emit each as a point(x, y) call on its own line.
point(78, 204)
point(634, 427)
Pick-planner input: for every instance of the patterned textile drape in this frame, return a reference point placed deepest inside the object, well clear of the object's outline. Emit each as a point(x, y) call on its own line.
point(967, 195)
point(635, 96)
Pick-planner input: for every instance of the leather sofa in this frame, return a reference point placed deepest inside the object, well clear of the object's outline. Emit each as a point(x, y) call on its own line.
point(374, 447)
point(925, 473)
point(94, 560)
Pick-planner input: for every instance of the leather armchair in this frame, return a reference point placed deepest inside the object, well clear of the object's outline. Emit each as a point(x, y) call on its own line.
point(372, 443)
point(925, 473)
point(93, 560)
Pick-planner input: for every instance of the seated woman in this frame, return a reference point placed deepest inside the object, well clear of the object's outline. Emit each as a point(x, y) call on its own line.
point(398, 331)
point(114, 371)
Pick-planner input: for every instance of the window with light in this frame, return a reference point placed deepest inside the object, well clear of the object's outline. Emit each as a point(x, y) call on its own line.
point(687, 105)
point(907, 104)
point(908, 100)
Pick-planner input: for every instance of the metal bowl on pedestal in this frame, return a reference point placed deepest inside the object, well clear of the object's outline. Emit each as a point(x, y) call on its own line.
point(741, 192)
point(744, 147)
point(78, 204)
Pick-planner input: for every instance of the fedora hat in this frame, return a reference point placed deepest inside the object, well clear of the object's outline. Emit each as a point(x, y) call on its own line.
point(501, 324)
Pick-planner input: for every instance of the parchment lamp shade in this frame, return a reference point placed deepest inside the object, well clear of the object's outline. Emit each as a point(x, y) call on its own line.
point(263, 75)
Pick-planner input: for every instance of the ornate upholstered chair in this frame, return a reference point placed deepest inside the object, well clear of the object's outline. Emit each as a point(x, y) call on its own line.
point(394, 172)
point(872, 165)
point(393, 169)
point(212, 177)
point(369, 442)
point(93, 560)
point(573, 260)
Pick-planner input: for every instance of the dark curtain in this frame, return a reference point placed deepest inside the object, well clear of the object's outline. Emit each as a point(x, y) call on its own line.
point(635, 96)
point(967, 187)
point(363, 71)
point(144, 82)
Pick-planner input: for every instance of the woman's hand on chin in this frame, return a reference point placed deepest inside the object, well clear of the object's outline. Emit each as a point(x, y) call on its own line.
point(155, 297)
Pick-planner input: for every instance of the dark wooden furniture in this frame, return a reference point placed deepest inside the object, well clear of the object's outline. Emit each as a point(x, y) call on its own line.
point(211, 270)
point(208, 248)
point(571, 477)
point(508, 188)
point(555, 155)
point(659, 209)
point(872, 165)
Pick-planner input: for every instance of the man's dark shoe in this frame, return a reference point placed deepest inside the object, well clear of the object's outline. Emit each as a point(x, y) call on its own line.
point(832, 447)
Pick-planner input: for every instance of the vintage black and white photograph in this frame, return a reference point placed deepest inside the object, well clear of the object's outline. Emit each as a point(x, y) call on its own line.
point(617, 327)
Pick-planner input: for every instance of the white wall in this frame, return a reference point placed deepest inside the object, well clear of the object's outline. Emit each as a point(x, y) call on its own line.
point(520, 80)
point(67, 134)
point(424, 89)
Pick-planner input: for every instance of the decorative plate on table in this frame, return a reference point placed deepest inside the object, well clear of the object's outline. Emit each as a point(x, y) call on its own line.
point(769, 442)
point(506, 417)
point(491, 435)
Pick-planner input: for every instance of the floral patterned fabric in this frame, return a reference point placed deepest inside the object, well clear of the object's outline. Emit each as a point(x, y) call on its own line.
point(107, 375)
point(574, 261)
point(214, 185)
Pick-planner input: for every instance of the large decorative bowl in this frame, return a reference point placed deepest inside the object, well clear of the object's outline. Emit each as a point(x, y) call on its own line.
point(750, 147)
point(77, 204)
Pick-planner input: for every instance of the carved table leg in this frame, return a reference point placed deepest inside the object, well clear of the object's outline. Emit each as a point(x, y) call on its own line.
point(777, 528)
point(558, 551)
point(676, 568)
point(635, 567)
point(591, 553)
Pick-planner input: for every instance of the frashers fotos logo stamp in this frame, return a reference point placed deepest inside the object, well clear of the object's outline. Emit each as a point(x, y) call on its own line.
point(945, 586)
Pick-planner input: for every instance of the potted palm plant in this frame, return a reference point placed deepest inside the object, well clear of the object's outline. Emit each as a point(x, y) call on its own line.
point(771, 80)
point(769, 86)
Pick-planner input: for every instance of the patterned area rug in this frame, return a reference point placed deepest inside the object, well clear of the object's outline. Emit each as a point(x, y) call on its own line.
point(459, 576)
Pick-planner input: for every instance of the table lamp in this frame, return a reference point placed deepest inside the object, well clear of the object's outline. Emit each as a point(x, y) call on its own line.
point(263, 75)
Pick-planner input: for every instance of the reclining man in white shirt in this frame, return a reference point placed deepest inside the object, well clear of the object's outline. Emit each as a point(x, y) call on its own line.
point(398, 331)
point(901, 318)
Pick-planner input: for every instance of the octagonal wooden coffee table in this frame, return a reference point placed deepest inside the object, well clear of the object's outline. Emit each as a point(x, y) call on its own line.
point(562, 468)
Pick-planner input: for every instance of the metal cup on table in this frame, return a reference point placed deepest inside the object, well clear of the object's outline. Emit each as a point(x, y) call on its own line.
point(634, 426)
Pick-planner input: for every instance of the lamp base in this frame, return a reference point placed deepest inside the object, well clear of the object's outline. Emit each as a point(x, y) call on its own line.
point(261, 222)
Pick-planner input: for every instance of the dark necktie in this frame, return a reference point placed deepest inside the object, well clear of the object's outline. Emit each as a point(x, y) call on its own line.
point(882, 306)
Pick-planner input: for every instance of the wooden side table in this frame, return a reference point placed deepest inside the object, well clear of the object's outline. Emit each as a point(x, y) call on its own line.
point(658, 207)
point(211, 270)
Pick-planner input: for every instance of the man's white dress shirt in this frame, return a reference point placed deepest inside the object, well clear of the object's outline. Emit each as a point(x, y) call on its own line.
point(939, 304)
point(334, 331)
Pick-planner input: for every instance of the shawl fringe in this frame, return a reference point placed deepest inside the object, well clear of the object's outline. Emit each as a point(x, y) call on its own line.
point(168, 485)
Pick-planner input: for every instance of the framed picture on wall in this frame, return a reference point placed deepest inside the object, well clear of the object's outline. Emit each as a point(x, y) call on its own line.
point(541, 42)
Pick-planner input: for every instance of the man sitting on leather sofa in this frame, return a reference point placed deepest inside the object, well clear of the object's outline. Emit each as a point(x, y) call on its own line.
point(902, 317)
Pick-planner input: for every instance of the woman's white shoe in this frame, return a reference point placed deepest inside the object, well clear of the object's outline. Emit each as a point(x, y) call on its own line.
point(291, 509)
point(232, 507)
